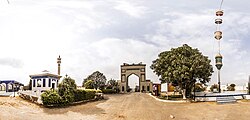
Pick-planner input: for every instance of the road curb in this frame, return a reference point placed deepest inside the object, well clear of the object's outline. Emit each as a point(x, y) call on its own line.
point(168, 101)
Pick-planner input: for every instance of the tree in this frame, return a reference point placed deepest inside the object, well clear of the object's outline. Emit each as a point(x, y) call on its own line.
point(231, 87)
point(66, 89)
point(112, 84)
point(184, 65)
point(98, 78)
point(89, 84)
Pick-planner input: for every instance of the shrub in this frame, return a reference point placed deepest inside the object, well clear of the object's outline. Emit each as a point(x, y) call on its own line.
point(215, 86)
point(231, 87)
point(79, 95)
point(86, 94)
point(199, 87)
point(98, 91)
point(108, 91)
point(90, 94)
point(51, 97)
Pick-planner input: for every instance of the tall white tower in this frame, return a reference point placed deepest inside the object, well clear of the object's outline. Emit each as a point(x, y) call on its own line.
point(59, 65)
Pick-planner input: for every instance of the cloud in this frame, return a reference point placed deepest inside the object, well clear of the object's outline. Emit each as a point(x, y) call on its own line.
point(131, 8)
point(12, 62)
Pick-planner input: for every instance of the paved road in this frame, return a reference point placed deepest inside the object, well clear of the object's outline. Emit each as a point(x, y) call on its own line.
point(134, 106)
point(140, 106)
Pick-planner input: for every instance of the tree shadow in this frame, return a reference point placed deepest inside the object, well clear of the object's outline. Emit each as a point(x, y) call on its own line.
point(87, 108)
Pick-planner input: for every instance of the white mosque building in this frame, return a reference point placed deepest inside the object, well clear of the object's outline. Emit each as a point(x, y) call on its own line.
point(44, 81)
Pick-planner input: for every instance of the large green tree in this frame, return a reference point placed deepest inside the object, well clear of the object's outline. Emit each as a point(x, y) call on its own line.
point(98, 78)
point(183, 65)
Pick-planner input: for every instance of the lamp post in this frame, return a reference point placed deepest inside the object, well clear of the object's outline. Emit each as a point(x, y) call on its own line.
point(218, 59)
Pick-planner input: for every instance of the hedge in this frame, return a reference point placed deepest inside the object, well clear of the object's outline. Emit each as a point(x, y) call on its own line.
point(52, 98)
point(79, 95)
point(108, 91)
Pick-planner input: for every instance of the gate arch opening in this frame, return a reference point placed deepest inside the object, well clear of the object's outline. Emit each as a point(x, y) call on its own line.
point(133, 83)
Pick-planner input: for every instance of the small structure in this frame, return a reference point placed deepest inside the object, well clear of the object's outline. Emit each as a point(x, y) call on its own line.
point(10, 85)
point(156, 89)
point(44, 81)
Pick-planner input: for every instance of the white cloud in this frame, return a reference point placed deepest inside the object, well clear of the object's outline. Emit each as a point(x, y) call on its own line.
point(15, 63)
point(131, 8)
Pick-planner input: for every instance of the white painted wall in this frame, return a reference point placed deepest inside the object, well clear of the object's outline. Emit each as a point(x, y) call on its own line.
point(42, 88)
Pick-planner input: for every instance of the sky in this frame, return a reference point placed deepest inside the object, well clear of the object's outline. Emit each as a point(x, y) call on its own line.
point(101, 35)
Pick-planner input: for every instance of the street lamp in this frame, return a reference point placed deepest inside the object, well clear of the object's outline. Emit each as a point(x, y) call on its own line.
point(218, 59)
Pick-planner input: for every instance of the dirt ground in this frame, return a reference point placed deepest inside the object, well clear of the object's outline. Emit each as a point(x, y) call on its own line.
point(133, 106)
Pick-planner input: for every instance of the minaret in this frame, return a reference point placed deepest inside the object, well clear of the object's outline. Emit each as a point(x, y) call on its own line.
point(59, 65)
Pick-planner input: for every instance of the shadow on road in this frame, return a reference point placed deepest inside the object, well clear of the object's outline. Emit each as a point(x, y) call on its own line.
point(88, 108)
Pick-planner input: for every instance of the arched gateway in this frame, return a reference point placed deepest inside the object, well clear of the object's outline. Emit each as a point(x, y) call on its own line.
point(138, 70)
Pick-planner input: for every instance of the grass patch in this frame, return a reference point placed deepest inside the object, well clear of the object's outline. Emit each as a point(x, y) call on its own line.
point(171, 97)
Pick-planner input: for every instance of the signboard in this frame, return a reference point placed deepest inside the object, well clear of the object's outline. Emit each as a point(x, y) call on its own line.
point(164, 87)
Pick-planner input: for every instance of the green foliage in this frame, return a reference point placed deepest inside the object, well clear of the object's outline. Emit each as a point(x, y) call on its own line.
point(67, 93)
point(184, 65)
point(89, 84)
point(171, 97)
point(112, 84)
point(214, 86)
point(231, 87)
point(66, 89)
point(51, 97)
point(108, 91)
point(199, 87)
point(90, 93)
point(98, 78)
point(86, 94)
point(79, 95)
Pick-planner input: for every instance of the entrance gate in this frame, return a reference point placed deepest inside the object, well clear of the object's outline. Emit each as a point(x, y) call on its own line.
point(140, 71)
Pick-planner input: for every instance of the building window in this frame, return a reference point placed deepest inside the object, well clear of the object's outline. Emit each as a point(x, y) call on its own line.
point(49, 82)
point(39, 83)
point(44, 82)
point(34, 83)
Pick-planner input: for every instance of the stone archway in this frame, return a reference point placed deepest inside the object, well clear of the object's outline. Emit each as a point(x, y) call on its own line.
point(138, 70)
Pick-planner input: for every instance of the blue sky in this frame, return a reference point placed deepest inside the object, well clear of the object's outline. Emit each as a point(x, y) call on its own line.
point(101, 35)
